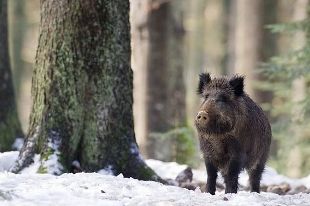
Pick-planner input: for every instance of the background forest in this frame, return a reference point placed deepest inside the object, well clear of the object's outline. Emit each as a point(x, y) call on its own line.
point(172, 41)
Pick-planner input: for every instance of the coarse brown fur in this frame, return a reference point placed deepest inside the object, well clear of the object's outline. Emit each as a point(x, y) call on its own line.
point(234, 132)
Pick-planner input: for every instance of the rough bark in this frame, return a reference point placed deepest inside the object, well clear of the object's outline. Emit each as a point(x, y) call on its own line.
point(82, 90)
point(10, 127)
point(159, 32)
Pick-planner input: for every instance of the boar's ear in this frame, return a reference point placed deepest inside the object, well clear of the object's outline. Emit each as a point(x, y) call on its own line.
point(204, 79)
point(237, 83)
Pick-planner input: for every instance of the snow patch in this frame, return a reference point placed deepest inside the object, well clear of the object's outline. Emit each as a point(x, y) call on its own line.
point(107, 171)
point(169, 170)
point(306, 181)
point(52, 164)
point(135, 151)
point(18, 144)
point(30, 189)
point(7, 160)
point(76, 163)
point(96, 190)
point(34, 167)
point(30, 143)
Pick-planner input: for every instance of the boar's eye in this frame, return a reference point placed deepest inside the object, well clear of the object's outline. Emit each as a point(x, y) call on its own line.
point(222, 98)
point(206, 96)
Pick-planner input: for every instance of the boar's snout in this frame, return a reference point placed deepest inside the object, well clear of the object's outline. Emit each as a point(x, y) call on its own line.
point(202, 117)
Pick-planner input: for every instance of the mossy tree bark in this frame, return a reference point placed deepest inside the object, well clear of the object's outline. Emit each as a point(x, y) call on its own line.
point(10, 127)
point(158, 45)
point(82, 90)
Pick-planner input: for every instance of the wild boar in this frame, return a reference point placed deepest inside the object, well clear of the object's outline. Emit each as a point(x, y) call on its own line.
point(234, 132)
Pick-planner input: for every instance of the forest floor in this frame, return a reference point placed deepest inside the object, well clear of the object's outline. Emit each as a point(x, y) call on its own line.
point(95, 189)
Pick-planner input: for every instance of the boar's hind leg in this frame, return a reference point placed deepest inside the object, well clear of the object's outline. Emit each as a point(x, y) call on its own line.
point(212, 175)
point(255, 176)
point(231, 176)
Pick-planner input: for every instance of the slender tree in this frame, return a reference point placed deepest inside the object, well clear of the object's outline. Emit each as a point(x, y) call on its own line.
point(10, 127)
point(252, 42)
point(23, 19)
point(158, 46)
point(17, 30)
point(248, 38)
point(299, 86)
point(82, 90)
point(289, 72)
point(195, 38)
point(215, 35)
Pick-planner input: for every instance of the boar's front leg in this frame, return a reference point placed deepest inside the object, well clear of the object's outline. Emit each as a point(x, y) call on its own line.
point(231, 176)
point(233, 165)
point(212, 175)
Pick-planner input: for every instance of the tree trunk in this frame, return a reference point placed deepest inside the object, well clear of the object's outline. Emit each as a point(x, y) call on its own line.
point(158, 45)
point(17, 20)
point(140, 47)
point(205, 45)
point(195, 63)
point(214, 18)
point(231, 44)
point(10, 127)
point(24, 19)
point(82, 91)
point(295, 157)
point(249, 38)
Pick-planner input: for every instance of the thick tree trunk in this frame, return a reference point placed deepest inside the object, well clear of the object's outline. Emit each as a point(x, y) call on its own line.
point(82, 90)
point(10, 127)
point(158, 60)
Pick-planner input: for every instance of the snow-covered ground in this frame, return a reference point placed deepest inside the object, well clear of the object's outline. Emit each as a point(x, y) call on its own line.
point(94, 189)
point(270, 177)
